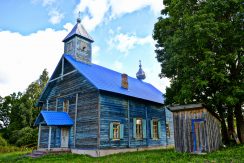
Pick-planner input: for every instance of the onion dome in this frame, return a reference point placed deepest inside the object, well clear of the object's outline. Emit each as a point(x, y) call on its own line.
point(140, 74)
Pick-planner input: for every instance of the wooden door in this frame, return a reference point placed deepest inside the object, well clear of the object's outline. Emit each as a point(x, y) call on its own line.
point(64, 137)
point(199, 135)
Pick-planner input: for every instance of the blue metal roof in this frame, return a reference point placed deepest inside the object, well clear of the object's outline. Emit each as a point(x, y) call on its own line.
point(109, 80)
point(78, 30)
point(53, 118)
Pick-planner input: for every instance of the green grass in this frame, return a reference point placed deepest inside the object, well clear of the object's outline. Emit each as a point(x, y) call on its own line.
point(231, 154)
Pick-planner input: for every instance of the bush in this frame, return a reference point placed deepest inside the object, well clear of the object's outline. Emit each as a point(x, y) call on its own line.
point(3, 142)
point(25, 137)
point(8, 149)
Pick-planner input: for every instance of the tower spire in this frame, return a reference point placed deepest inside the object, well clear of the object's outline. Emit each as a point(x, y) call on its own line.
point(78, 43)
point(140, 74)
point(78, 18)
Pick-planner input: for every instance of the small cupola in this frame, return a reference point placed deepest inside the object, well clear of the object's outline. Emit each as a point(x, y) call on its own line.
point(78, 43)
point(140, 74)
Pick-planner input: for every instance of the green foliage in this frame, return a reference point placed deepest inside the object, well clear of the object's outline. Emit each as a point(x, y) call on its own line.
point(25, 137)
point(9, 149)
point(3, 142)
point(232, 154)
point(18, 113)
point(200, 48)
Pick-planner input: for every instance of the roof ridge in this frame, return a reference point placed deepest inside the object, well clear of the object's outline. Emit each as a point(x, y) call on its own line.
point(109, 70)
point(106, 79)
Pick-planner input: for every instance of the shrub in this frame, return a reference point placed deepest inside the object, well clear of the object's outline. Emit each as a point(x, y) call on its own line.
point(3, 142)
point(8, 149)
point(25, 137)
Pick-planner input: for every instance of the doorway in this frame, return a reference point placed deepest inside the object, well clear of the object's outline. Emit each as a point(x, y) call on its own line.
point(199, 135)
point(64, 137)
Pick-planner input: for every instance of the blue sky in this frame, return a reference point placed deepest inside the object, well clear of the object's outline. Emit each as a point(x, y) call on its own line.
point(31, 33)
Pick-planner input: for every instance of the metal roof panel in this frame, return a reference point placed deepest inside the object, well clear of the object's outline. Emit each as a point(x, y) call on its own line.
point(53, 118)
point(109, 80)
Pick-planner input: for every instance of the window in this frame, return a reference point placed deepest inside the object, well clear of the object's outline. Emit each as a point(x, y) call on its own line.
point(116, 131)
point(155, 129)
point(167, 130)
point(69, 46)
point(66, 106)
point(139, 128)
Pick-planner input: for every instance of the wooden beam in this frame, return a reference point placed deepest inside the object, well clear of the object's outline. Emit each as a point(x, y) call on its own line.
point(47, 104)
point(147, 137)
point(62, 70)
point(76, 103)
point(56, 104)
point(98, 122)
point(49, 137)
point(39, 136)
point(60, 77)
point(128, 110)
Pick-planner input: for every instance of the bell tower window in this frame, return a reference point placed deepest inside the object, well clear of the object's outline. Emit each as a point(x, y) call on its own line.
point(69, 46)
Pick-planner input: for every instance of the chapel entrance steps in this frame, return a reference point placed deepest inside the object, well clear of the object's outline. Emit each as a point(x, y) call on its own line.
point(36, 154)
point(41, 152)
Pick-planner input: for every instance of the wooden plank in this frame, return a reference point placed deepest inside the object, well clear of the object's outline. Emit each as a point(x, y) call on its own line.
point(62, 76)
point(39, 136)
point(128, 121)
point(49, 137)
point(76, 103)
point(98, 122)
point(47, 104)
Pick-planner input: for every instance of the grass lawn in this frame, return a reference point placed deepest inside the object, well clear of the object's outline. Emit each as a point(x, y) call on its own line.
point(231, 154)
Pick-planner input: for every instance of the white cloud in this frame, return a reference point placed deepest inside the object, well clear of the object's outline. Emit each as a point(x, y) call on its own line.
point(23, 58)
point(55, 16)
point(48, 2)
point(152, 77)
point(97, 10)
point(117, 66)
point(68, 26)
point(126, 42)
point(95, 54)
point(52, 9)
point(100, 11)
point(120, 8)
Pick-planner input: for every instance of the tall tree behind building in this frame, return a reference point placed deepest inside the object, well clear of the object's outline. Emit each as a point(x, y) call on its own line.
point(18, 111)
point(200, 48)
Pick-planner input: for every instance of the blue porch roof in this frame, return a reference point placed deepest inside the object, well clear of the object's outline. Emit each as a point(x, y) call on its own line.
point(53, 118)
point(109, 80)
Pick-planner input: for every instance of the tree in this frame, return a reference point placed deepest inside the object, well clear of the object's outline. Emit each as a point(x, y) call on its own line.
point(4, 112)
point(200, 48)
point(18, 111)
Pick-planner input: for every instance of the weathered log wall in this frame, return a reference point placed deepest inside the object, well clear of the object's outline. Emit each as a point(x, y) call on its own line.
point(118, 108)
point(184, 141)
point(68, 89)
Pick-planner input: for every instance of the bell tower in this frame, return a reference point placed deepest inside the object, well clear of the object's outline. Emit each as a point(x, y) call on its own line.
point(78, 43)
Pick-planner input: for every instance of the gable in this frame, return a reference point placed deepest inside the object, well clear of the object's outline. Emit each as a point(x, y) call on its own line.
point(71, 81)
